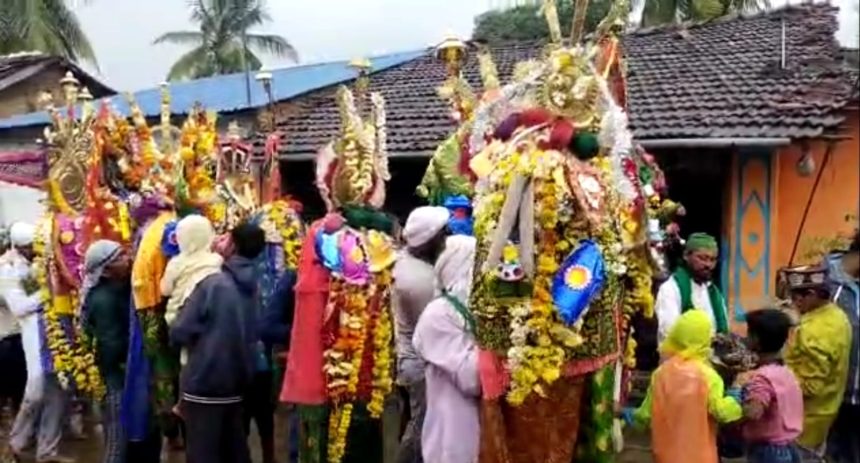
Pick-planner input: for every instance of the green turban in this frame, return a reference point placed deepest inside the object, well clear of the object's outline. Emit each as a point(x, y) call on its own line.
point(701, 242)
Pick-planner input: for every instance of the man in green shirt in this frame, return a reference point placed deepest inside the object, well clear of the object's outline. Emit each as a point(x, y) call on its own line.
point(818, 354)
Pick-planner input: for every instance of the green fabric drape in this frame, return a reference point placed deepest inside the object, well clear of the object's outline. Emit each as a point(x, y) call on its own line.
point(718, 304)
point(364, 442)
point(462, 310)
point(594, 444)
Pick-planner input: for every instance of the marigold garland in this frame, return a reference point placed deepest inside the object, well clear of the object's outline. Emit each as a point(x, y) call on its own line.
point(290, 228)
point(73, 363)
point(363, 322)
point(382, 356)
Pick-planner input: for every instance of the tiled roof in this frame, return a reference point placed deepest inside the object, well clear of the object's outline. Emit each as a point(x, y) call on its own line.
point(228, 93)
point(726, 78)
point(721, 79)
point(417, 120)
point(20, 66)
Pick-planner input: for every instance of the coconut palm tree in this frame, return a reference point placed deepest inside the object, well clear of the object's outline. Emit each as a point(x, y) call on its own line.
point(223, 43)
point(656, 12)
point(48, 26)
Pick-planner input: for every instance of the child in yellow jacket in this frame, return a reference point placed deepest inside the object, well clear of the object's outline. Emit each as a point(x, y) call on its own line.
point(686, 398)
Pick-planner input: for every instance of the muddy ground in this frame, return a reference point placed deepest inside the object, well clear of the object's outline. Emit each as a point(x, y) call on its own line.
point(89, 449)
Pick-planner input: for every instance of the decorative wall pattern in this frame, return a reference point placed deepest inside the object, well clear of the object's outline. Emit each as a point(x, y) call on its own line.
point(751, 238)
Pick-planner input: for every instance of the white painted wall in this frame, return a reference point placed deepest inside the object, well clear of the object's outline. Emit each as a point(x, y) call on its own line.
point(20, 204)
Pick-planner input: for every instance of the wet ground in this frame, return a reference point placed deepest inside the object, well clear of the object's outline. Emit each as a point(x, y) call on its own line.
point(89, 449)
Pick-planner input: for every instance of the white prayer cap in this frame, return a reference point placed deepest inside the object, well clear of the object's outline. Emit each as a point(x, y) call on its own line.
point(21, 234)
point(455, 265)
point(423, 224)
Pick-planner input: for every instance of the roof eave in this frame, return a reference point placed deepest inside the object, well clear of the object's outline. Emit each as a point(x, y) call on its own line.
point(726, 142)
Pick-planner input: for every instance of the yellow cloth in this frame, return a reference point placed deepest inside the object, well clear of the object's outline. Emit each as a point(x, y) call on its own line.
point(689, 345)
point(149, 264)
point(818, 355)
point(690, 337)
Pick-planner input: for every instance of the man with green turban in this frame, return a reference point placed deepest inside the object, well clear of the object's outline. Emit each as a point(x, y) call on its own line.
point(690, 287)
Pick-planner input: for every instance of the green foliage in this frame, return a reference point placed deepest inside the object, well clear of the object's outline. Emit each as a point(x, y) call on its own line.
point(223, 43)
point(526, 22)
point(48, 26)
point(813, 249)
point(657, 12)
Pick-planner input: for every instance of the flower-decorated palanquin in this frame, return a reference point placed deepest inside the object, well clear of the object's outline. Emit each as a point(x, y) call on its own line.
point(448, 181)
point(340, 362)
point(568, 221)
point(80, 209)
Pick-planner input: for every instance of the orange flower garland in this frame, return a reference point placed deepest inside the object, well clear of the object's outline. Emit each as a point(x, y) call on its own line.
point(363, 317)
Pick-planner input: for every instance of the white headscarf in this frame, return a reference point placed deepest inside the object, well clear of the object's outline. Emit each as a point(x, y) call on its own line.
point(455, 266)
point(423, 224)
point(195, 261)
point(21, 234)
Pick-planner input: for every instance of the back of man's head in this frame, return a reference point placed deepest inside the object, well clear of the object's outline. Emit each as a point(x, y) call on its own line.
point(249, 240)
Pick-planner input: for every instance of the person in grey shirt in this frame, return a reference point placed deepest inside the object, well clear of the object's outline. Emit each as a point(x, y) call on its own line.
point(414, 288)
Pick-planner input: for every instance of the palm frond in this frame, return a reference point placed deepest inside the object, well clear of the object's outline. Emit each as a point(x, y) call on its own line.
point(223, 42)
point(68, 28)
point(274, 44)
point(659, 12)
point(703, 10)
point(180, 38)
point(189, 65)
point(48, 26)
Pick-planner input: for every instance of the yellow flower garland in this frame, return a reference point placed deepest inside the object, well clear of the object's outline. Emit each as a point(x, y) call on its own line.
point(287, 222)
point(344, 360)
point(71, 360)
point(382, 337)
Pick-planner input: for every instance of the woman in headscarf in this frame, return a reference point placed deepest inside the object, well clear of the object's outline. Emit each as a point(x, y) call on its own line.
point(686, 399)
point(195, 261)
point(445, 339)
point(106, 294)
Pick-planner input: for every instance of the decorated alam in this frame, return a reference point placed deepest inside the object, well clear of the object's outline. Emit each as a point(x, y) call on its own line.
point(120, 179)
point(570, 219)
point(568, 213)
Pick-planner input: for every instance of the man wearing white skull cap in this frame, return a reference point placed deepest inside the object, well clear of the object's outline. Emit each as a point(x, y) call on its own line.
point(43, 405)
point(424, 234)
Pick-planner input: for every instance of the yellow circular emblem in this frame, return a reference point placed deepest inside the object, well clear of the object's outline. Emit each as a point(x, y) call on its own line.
point(67, 236)
point(577, 277)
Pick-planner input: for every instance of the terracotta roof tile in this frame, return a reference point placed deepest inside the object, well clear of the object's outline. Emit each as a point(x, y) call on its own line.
point(723, 78)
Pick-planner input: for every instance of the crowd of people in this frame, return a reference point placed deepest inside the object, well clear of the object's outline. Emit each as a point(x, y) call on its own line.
point(179, 293)
point(797, 403)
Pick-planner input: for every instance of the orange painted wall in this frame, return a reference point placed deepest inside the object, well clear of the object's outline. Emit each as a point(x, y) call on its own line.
point(765, 202)
point(838, 193)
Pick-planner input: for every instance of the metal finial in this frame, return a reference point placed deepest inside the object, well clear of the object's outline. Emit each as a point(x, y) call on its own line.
point(69, 80)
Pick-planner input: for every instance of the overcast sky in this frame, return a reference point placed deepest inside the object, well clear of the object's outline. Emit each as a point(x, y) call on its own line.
point(122, 31)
